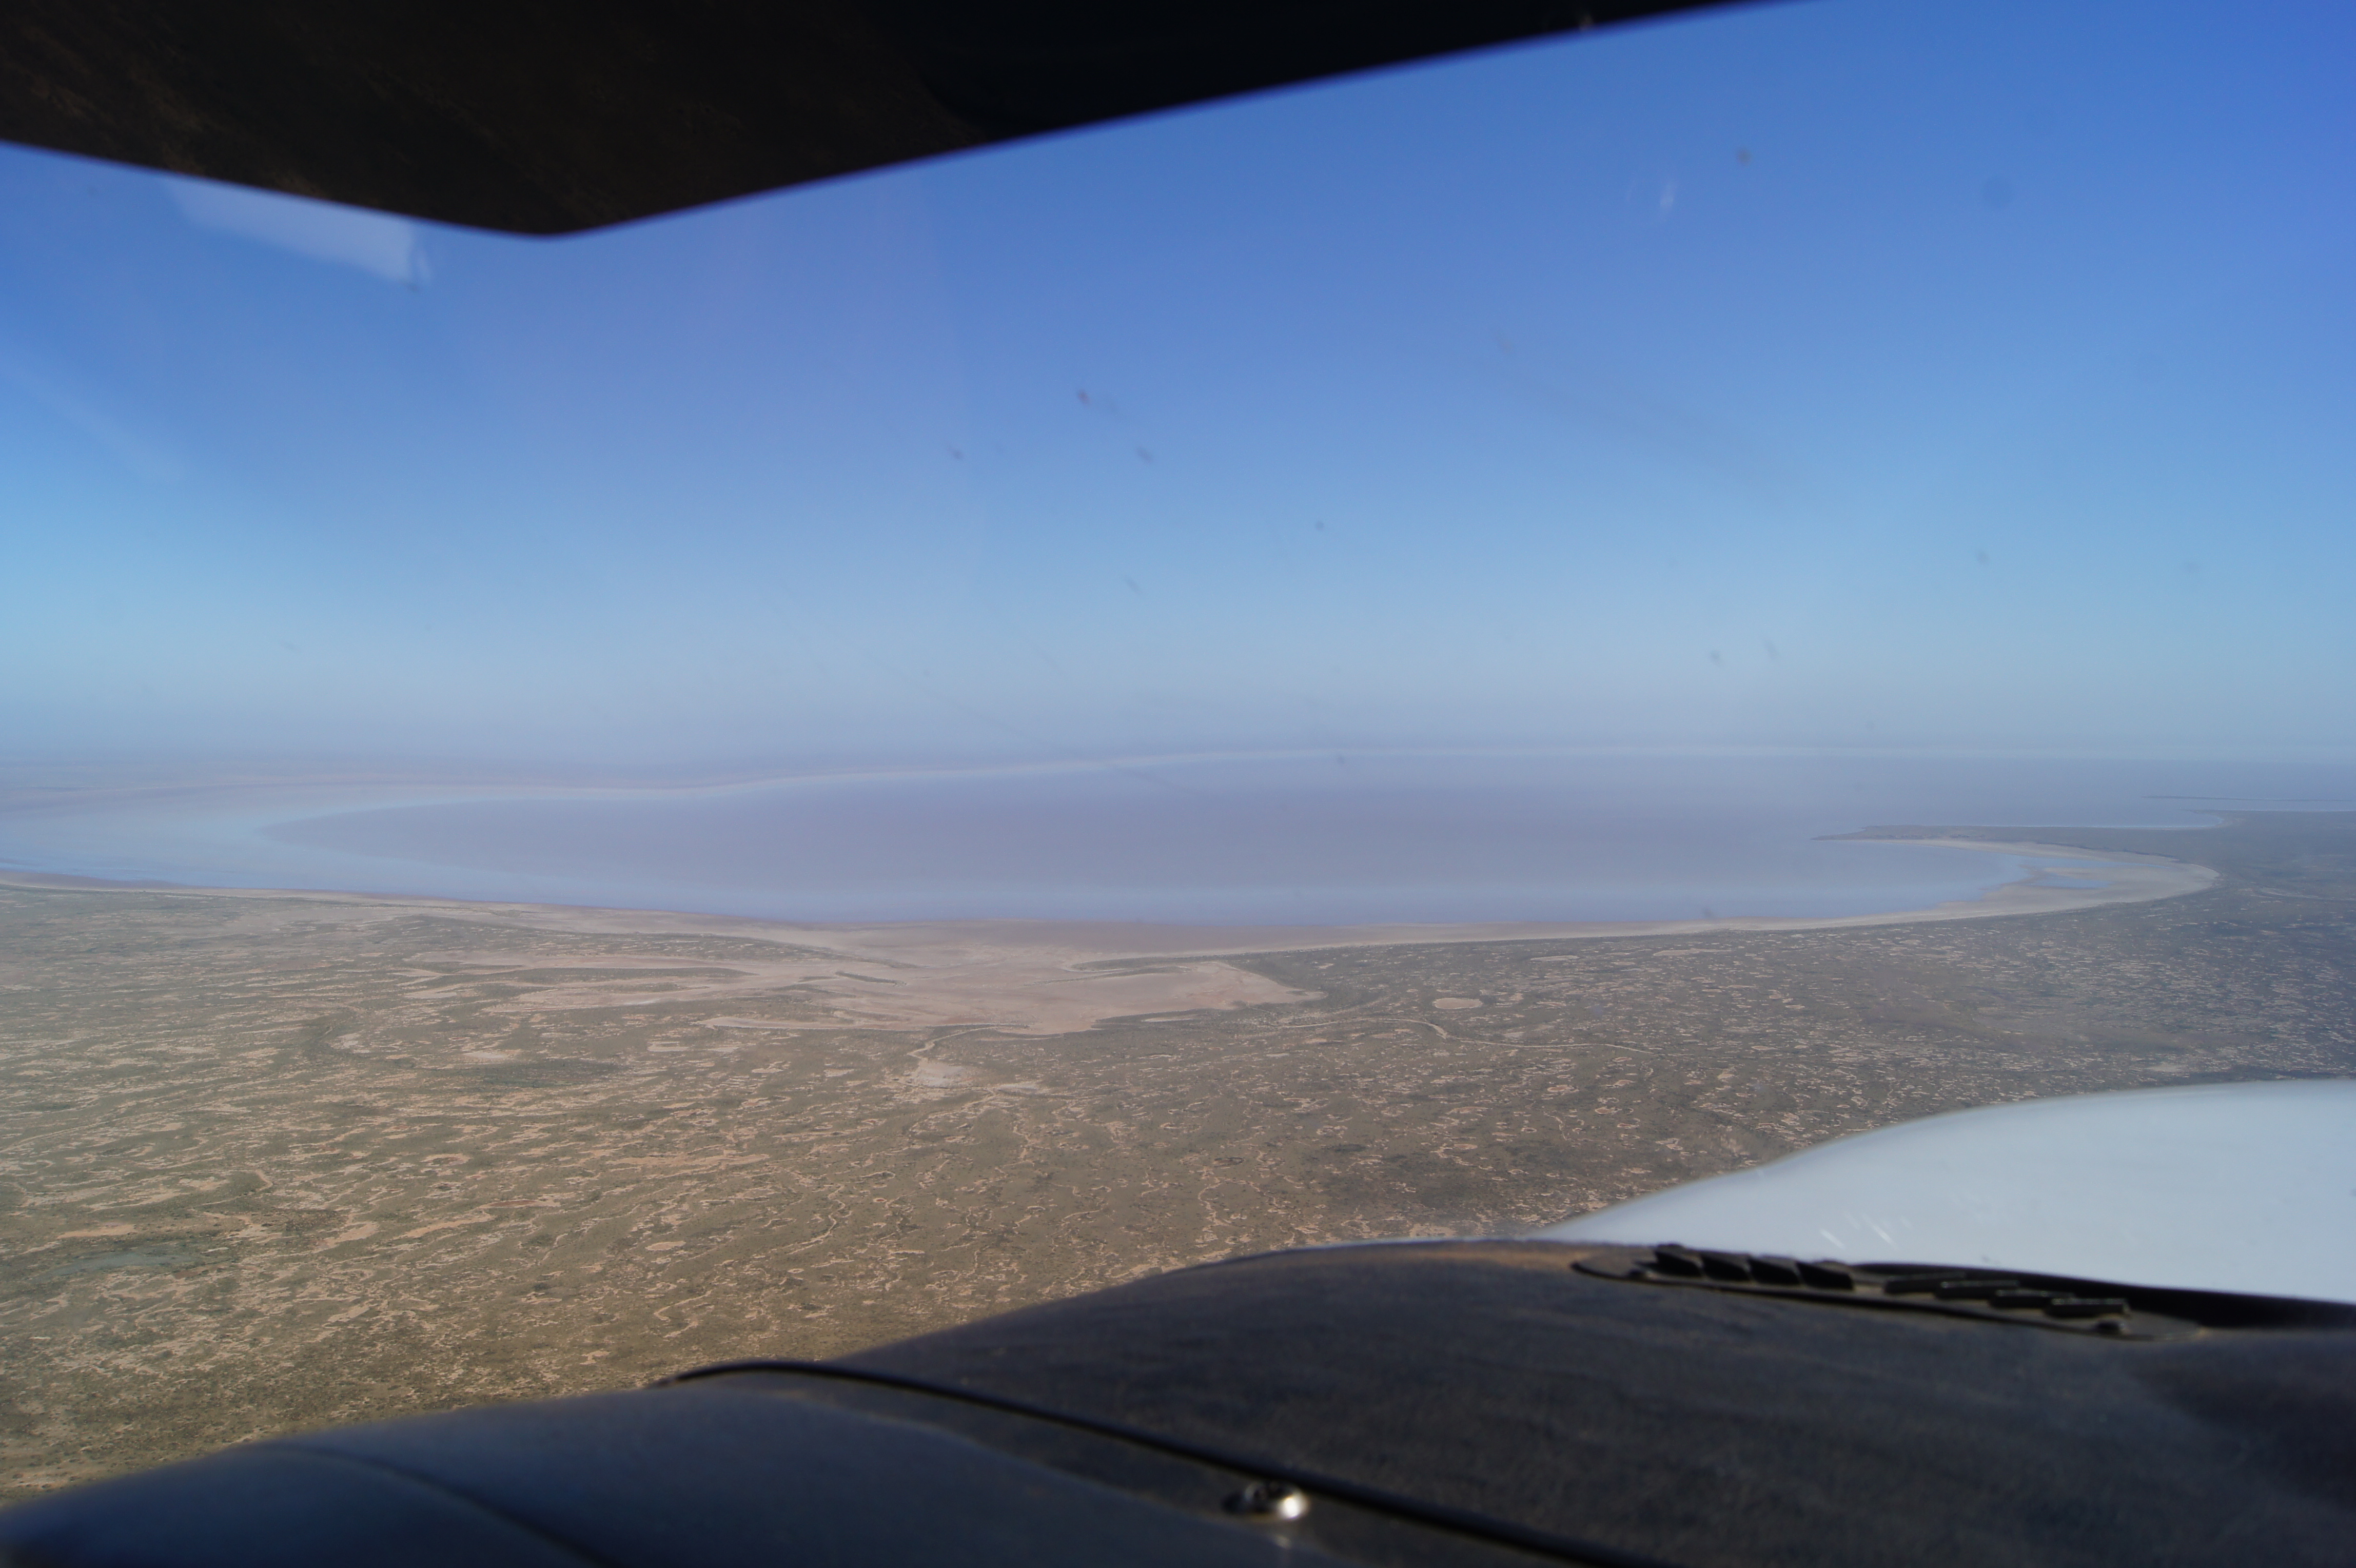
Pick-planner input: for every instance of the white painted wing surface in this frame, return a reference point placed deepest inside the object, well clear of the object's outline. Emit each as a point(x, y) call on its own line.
point(2243, 1186)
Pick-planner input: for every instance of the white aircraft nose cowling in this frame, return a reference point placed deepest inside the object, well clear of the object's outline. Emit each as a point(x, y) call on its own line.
point(2240, 1187)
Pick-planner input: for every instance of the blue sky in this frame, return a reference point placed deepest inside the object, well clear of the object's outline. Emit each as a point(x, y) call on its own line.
point(1816, 375)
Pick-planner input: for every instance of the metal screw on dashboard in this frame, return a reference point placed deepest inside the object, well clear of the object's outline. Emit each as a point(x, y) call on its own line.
point(1270, 1500)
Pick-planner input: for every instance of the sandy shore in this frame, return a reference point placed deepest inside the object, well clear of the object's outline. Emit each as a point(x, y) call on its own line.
point(1051, 977)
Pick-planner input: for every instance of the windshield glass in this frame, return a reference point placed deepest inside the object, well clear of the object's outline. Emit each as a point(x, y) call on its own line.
point(1414, 656)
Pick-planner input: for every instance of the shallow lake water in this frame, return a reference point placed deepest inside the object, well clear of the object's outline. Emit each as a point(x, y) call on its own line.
point(1295, 839)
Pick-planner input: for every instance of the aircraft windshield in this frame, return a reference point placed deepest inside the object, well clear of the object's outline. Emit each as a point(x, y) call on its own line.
point(1327, 666)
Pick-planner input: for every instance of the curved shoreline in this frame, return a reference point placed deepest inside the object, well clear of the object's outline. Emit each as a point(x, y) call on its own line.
point(2142, 878)
point(1045, 977)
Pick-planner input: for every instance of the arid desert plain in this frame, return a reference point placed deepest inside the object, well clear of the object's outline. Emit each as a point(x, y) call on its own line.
point(273, 1160)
